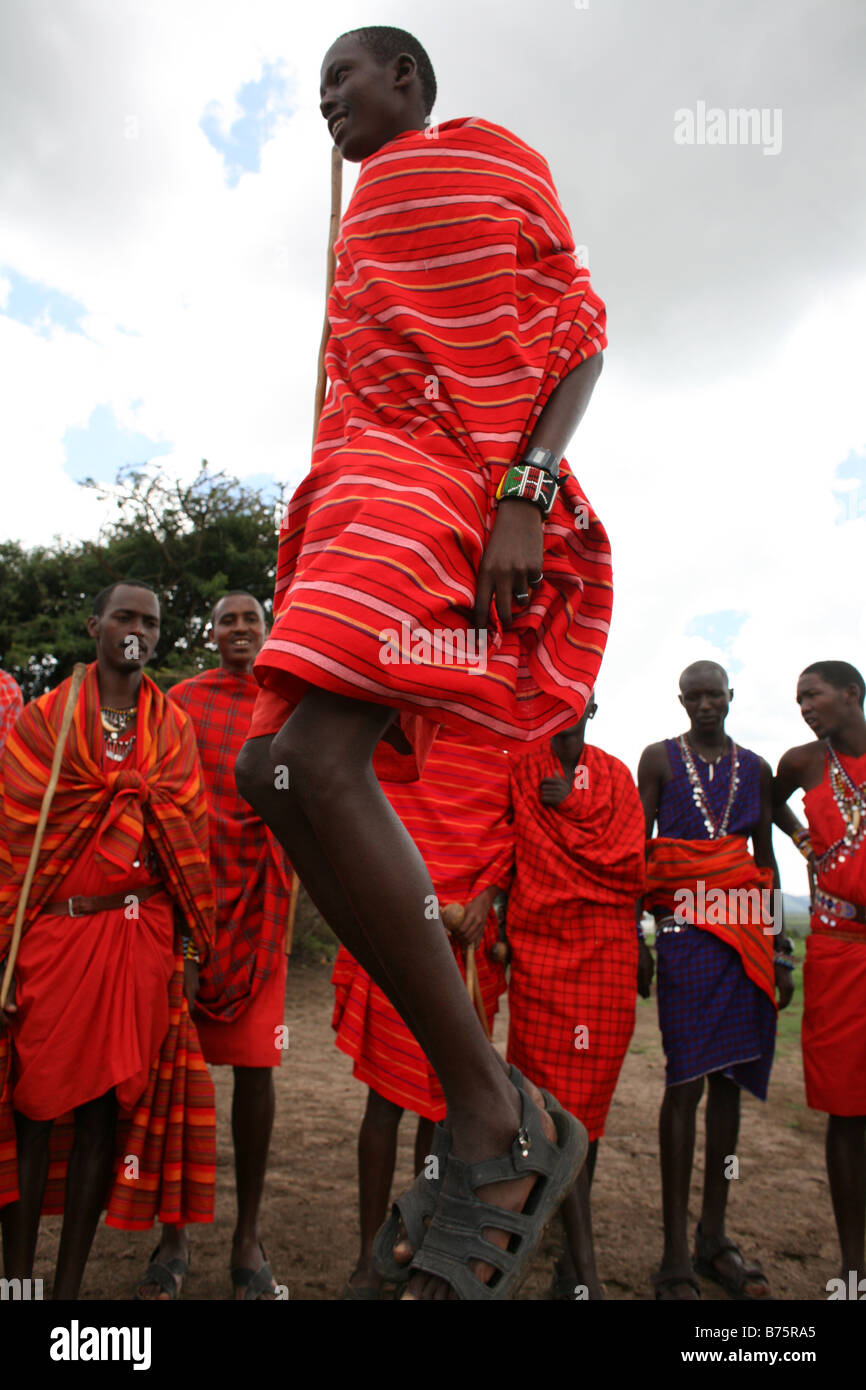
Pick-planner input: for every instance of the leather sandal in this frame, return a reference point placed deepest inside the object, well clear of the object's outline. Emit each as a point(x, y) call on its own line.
point(455, 1236)
point(707, 1251)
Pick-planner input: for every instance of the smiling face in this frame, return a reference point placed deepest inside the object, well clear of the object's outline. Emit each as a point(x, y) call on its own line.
point(366, 104)
point(127, 629)
point(238, 628)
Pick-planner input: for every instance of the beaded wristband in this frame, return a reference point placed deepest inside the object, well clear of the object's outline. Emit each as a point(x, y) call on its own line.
point(785, 961)
point(528, 484)
point(189, 951)
point(802, 841)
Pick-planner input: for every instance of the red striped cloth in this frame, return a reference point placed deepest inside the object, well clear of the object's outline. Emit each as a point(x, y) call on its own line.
point(458, 307)
point(251, 875)
point(104, 818)
point(11, 705)
point(459, 817)
point(579, 869)
point(716, 885)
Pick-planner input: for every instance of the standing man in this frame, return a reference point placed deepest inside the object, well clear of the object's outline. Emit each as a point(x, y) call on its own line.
point(241, 996)
point(831, 770)
point(576, 960)
point(104, 1094)
point(717, 970)
point(11, 705)
point(459, 816)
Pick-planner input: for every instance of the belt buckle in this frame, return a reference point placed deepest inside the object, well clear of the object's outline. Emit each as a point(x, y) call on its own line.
point(69, 903)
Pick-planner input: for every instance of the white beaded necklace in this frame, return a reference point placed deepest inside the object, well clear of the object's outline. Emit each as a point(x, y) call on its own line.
point(715, 830)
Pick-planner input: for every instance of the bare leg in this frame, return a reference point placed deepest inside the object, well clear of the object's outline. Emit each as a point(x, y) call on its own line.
point(377, 1155)
point(577, 1263)
point(423, 1142)
point(677, 1149)
point(20, 1220)
point(173, 1245)
point(252, 1123)
point(846, 1170)
point(723, 1128)
point(327, 745)
point(91, 1165)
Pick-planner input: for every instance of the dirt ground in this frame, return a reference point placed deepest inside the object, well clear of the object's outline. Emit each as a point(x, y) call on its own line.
point(779, 1206)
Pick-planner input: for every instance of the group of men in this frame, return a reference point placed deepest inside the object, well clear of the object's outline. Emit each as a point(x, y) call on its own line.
point(176, 957)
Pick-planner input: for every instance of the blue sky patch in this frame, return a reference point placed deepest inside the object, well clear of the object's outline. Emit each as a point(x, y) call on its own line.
point(41, 307)
point(103, 447)
point(262, 103)
point(720, 628)
point(851, 492)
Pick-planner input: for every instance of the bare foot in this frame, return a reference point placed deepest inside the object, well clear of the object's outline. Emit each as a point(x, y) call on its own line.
point(473, 1141)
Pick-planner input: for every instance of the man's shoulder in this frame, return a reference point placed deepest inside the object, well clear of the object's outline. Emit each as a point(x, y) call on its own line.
point(803, 755)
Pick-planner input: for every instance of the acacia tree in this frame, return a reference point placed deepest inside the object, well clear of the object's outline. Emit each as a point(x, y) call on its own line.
point(190, 542)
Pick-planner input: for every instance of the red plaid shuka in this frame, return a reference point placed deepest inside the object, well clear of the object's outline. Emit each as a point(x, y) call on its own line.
point(459, 817)
point(101, 997)
point(579, 868)
point(458, 307)
point(252, 877)
point(11, 705)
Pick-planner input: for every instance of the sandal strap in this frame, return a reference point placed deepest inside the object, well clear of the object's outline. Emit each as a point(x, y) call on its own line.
point(254, 1282)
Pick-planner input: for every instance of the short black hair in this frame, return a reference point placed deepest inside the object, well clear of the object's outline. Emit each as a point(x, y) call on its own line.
point(838, 674)
point(385, 43)
point(102, 598)
point(237, 593)
point(713, 665)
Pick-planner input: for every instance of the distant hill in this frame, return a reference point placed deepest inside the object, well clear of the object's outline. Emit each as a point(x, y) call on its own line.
point(799, 906)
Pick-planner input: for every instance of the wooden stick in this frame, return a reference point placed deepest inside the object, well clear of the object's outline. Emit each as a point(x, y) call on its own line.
point(79, 671)
point(333, 229)
point(473, 984)
point(293, 907)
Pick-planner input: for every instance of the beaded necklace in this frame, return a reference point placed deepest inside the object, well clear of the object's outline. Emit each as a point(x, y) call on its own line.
point(715, 829)
point(113, 722)
point(851, 802)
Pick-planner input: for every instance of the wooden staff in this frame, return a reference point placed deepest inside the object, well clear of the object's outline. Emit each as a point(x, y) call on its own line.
point(78, 673)
point(321, 381)
point(452, 916)
point(333, 229)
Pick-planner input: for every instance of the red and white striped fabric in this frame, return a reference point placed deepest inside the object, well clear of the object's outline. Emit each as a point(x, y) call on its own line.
point(457, 308)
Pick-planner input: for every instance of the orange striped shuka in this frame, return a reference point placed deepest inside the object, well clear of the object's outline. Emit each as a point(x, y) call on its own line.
point(458, 814)
point(579, 870)
point(716, 884)
point(100, 996)
point(458, 307)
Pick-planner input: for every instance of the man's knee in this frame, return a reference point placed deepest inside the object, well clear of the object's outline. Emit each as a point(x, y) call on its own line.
point(382, 1112)
point(254, 1083)
point(95, 1122)
point(254, 772)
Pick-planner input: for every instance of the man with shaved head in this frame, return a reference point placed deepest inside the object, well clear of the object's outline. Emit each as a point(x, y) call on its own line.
point(239, 1008)
point(831, 770)
point(718, 972)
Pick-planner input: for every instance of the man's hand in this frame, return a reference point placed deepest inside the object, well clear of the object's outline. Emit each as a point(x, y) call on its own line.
point(471, 929)
point(514, 556)
point(784, 985)
point(190, 983)
point(6, 1015)
point(645, 969)
point(552, 790)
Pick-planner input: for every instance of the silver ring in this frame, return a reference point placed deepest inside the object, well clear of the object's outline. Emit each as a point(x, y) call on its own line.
point(521, 597)
point(534, 583)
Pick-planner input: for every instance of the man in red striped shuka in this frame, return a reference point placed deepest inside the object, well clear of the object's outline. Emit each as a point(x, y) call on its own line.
point(576, 958)
point(721, 962)
point(240, 1002)
point(465, 342)
point(105, 1099)
point(459, 816)
point(832, 772)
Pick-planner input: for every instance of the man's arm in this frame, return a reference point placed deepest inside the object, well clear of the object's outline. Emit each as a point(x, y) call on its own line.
point(515, 550)
point(652, 773)
point(762, 841)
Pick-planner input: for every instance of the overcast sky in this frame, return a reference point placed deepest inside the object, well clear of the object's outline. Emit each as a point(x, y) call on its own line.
point(164, 184)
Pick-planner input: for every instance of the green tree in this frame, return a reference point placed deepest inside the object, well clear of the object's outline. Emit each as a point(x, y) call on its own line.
point(190, 542)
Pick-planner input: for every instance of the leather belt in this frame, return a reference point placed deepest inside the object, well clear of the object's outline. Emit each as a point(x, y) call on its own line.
point(83, 907)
